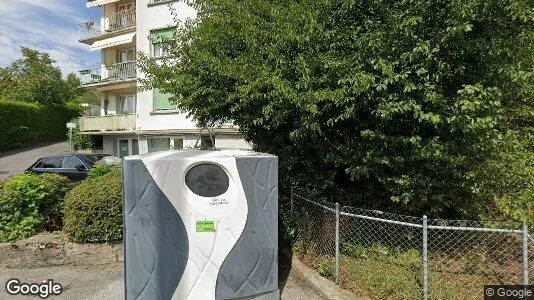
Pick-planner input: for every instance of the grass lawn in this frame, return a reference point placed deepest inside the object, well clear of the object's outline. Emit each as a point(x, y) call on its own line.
point(379, 273)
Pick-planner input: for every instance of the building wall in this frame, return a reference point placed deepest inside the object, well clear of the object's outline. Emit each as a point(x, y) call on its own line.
point(231, 141)
point(108, 146)
point(110, 54)
point(150, 17)
point(110, 143)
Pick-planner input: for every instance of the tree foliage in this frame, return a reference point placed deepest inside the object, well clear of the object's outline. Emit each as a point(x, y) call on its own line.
point(402, 105)
point(34, 78)
point(77, 140)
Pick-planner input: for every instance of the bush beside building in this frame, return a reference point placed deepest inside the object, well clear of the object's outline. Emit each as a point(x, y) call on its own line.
point(93, 209)
point(25, 124)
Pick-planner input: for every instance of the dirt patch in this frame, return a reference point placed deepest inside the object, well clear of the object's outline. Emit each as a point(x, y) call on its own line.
point(53, 249)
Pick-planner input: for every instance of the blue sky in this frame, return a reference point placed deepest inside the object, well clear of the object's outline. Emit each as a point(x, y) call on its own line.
point(47, 25)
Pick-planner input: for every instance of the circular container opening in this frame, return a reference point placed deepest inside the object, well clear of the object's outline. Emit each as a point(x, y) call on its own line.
point(207, 180)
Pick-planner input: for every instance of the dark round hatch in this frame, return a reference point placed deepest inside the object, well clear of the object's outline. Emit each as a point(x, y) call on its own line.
point(207, 180)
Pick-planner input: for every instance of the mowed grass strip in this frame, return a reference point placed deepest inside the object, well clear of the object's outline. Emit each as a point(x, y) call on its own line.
point(381, 273)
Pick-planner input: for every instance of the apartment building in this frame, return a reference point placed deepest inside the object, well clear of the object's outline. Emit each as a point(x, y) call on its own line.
point(132, 121)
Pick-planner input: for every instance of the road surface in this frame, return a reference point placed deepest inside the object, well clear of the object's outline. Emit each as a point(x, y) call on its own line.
point(95, 271)
point(16, 161)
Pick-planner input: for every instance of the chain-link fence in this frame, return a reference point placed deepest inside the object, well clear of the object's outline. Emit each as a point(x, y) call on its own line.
point(402, 257)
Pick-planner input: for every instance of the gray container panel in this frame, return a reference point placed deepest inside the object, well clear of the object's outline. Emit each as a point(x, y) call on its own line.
point(251, 267)
point(155, 239)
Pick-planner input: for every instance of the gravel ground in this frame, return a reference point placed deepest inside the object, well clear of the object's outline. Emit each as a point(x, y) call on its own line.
point(94, 271)
point(16, 161)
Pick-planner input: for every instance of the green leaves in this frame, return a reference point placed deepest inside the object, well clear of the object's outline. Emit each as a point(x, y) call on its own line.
point(34, 78)
point(29, 203)
point(93, 209)
point(388, 104)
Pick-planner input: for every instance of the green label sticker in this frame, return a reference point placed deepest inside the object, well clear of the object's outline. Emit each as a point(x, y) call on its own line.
point(205, 226)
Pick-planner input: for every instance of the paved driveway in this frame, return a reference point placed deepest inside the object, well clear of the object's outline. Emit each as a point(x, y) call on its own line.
point(107, 282)
point(16, 161)
point(96, 271)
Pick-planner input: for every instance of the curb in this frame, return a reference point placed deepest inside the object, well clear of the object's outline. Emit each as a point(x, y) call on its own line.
point(323, 286)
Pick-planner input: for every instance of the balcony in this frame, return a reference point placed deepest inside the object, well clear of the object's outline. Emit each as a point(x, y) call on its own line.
point(94, 3)
point(106, 26)
point(107, 124)
point(107, 74)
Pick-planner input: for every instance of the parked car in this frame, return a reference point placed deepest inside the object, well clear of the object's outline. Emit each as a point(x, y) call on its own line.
point(73, 166)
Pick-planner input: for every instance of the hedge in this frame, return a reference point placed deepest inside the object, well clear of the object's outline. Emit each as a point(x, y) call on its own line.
point(98, 171)
point(23, 124)
point(93, 209)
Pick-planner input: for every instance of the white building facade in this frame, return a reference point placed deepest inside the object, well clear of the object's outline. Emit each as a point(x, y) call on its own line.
point(133, 121)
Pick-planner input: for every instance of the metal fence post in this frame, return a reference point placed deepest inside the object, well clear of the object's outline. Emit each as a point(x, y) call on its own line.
point(291, 201)
point(425, 258)
point(525, 254)
point(337, 242)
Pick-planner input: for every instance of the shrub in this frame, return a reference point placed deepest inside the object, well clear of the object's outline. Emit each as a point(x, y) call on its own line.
point(29, 203)
point(93, 209)
point(51, 208)
point(98, 171)
point(78, 140)
point(29, 123)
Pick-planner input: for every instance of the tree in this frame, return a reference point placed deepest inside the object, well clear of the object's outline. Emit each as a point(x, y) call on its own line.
point(89, 97)
point(7, 84)
point(72, 89)
point(34, 78)
point(396, 105)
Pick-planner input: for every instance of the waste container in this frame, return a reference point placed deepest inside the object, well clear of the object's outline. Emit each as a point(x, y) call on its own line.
point(201, 224)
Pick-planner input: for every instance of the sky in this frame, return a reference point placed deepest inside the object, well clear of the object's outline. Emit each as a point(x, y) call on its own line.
point(49, 26)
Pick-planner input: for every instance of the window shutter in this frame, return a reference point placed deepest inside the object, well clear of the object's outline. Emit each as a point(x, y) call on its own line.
point(162, 35)
point(162, 101)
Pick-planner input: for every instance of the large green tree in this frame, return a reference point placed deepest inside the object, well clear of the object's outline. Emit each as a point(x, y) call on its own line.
point(34, 78)
point(401, 105)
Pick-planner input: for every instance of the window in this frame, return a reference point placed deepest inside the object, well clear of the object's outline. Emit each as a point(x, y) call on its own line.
point(207, 180)
point(52, 163)
point(128, 147)
point(125, 16)
point(159, 144)
point(124, 148)
point(126, 6)
point(70, 162)
point(162, 101)
point(178, 144)
point(161, 40)
point(125, 55)
point(135, 146)
point(161, 50)
point(206, 142)
point(39, 164)
point(125, 104)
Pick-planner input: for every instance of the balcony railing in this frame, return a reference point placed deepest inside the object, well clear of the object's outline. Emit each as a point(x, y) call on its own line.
point(109, 73)
point(107, 24)
point(107, 123)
